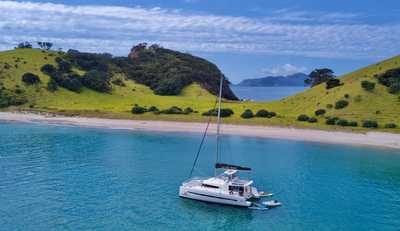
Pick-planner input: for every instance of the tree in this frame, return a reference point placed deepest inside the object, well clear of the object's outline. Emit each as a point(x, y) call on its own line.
point(63, 65)
point(25, 45)
point(48, 45)
point(319, 76)
point(48, 69)
point(97, 80)
point(52, 85)
point(45, 45)
point(30, 78)
point(391, 80)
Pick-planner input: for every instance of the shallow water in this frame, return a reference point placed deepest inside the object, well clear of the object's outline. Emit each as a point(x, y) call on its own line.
point(69, 178)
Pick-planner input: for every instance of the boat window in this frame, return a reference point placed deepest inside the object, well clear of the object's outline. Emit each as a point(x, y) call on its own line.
point(236, 188)
point(209, 186)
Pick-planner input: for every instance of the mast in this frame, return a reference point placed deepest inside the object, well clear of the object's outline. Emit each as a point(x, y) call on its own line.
point(219, 120)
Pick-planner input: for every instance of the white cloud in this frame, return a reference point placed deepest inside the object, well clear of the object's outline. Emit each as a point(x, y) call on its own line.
point(115, 29)
point(290, 15)
point(283, 70)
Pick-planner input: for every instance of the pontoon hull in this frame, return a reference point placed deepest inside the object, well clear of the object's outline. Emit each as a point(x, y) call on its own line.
point(213, 197)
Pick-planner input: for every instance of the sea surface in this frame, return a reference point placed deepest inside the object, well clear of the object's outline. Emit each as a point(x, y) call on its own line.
point(265, 93)
point(71, 178)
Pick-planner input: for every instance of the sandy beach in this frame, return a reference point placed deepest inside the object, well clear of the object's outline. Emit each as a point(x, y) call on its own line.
point(376, 139)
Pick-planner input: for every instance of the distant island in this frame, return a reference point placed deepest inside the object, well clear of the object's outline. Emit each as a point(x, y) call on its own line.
point(296, 79)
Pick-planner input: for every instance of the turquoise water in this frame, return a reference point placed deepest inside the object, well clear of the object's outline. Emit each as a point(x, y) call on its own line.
point(265, 93)
point(69, 178)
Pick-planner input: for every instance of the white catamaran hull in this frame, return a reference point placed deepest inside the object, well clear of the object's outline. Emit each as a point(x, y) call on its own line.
point(213, 197)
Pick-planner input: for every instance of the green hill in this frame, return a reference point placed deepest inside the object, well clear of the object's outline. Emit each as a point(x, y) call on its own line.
point(119, 100)
point(377, 104)
point(114, 94)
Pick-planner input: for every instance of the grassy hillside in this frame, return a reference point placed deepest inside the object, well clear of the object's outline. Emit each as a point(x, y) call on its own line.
point(363, 105)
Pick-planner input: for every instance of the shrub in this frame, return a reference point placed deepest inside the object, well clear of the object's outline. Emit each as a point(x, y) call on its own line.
point(225, 112)
point(312, 120)
point(394, 88)
point(342, 122)
point(329, 106)
point(70, 82)
point(303, 118)
point(52, 85)
point(271, 114)
point(48, 69)
point(247, 114)
point(265, 114)
point(390, 125)
point(341, 104)
point(63, 65)
point(153, 109)
point(331, 120)
point(320, 112)
point(346, 96)
point(138, 110)
point(188, 110)
point(370, 124)
point(30, 78)
point(391, 80)
point(333, 83)
point(262, 113)
point(172, 110)
point(367, 85)
point(353, 124)
point(8, 99)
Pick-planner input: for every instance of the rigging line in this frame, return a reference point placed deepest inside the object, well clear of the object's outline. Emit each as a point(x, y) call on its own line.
point(221, 81)
point(202, 140)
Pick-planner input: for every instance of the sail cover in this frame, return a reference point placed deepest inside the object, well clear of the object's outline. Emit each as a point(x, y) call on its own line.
point(230, 166)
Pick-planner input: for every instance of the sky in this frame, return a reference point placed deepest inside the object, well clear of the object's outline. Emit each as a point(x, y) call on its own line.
point(246, 39)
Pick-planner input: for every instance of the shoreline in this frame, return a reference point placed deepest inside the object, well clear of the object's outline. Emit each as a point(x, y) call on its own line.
point(372, 139)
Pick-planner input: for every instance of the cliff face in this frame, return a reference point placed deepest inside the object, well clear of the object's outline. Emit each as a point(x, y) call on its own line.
point(167, 72)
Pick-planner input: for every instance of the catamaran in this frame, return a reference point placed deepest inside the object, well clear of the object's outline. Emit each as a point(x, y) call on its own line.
point(224, 188)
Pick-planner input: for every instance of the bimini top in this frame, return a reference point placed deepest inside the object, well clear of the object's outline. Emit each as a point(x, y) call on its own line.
point(230, 166)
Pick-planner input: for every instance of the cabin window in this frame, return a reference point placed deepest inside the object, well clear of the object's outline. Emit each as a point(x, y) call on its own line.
point(239, 189)
point(209, 186)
